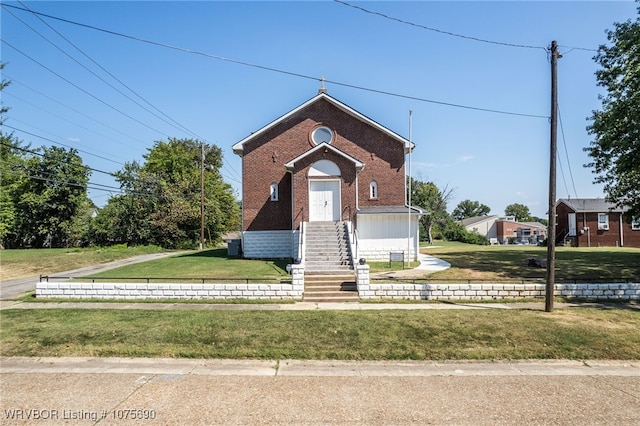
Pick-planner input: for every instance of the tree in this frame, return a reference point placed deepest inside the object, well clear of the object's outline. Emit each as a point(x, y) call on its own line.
point(468, 208)
point(430, 198)
point(520, 211)
point(161, 204)
point(616, 148)
point(49, 198)
point(9, 158)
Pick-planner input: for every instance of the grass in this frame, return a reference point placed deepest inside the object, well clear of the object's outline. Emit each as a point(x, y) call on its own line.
point(581, 333)
point(496, 262)
point(28, 262)
point(211, 264)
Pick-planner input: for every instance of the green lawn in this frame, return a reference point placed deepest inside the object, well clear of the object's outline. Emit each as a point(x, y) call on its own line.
point(585, 264)
point(28, 262)
point(580, 333)
point(211, 264)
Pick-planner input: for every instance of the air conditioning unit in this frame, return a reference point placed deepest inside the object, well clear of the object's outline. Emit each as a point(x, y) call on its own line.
point(603, 226)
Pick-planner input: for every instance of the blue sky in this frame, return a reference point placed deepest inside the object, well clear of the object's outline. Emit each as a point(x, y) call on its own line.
point(497, 159)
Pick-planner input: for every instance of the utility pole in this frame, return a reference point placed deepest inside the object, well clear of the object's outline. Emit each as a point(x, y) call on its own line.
point(202, 196)
point(551, 230)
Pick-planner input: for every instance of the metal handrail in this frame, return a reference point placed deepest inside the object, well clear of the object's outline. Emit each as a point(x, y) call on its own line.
point(508, 280)
point(175, 280)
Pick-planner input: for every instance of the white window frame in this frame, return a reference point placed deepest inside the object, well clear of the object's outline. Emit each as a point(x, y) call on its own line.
point(373, 190)
point(603, 225)
point(635, 223)
point(273, 192)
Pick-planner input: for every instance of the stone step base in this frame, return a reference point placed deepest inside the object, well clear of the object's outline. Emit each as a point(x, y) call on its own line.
point(339, 287)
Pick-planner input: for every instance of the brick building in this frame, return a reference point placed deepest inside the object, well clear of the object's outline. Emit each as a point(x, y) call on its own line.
point(325, 162)
point(593, 222)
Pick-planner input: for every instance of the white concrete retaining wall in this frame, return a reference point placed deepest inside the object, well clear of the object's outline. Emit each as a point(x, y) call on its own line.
point(142, 291)
point(489, 291)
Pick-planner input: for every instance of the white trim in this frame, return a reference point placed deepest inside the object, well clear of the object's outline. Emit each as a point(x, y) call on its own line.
point(291, 164)
point(238, 148)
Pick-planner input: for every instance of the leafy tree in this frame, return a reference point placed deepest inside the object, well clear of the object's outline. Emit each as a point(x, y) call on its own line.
point(8, 158)
point(468, 208)
point(430, 198)
point(616, 148)
point(161, 204)
point(51, 195)
point(520, 211)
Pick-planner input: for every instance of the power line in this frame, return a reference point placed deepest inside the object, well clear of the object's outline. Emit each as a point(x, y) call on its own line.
point(60, 137)
point(564, 142)
point(81, 89)
point(73, 109)
point(449, 33)
point(276, 70)
point(56, 143)
point(452, 34)
point(167, 119)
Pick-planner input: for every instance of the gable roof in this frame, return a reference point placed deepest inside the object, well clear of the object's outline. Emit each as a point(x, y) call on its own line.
point(477, 219)
point(591, 205)
point(238, 148)
point(291, 164)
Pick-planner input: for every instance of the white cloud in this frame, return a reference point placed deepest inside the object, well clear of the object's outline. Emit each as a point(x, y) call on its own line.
point(465, 158)
point(73, 139)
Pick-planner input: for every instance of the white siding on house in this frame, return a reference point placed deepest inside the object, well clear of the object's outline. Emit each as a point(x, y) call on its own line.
point(270, 244)
point(485, 228)
point(380, 234)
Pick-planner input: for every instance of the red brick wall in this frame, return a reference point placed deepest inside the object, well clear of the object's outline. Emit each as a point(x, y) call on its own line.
point(264, 158)
point(596, 237)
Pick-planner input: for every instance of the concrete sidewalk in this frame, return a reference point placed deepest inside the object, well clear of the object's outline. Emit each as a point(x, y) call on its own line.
point(120, 391)
point(308, 306)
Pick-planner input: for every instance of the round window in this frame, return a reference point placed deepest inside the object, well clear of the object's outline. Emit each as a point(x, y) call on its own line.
point(321, 134)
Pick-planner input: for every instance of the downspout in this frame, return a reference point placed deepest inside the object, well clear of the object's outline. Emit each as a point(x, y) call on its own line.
point(354, 223)
point(293, 222)
point(621, 232)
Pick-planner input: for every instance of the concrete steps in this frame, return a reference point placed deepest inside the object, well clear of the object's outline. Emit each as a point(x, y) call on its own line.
point(327, 248)
point(330, 288)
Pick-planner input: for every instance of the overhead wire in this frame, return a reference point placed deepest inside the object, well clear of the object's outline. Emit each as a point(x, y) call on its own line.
point(276, 70)
point(165, 117)
point(424, 27)
point(13, 80)
point(452, 34)
point(81, 89)
point(68, 146)
point(564, 142)
point(57, 143)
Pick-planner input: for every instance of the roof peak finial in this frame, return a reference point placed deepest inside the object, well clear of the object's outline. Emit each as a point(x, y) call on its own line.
point(322, 88)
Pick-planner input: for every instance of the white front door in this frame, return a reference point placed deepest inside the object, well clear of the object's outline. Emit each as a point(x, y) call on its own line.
point(572, 224)
point(324, 200)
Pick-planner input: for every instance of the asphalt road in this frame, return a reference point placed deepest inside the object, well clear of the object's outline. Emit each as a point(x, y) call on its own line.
point(204, 392)
point(14, 288)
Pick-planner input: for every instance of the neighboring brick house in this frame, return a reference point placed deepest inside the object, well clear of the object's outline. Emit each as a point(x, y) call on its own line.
point(506, 230)
point(593, 222)
point(325, 162)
